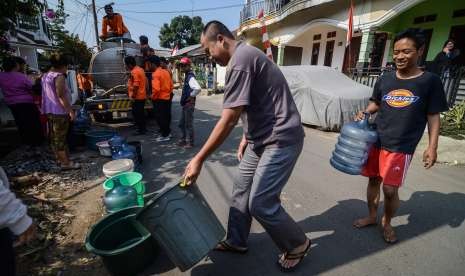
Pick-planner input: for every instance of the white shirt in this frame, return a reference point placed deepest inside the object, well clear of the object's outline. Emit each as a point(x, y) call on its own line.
point(195, 86)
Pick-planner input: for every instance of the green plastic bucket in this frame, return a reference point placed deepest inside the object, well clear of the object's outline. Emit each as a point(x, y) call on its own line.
point(183, 223)
point(125, 246)
point(133, 179)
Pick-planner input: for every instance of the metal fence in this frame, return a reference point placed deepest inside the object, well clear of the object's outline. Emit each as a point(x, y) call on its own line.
point(251, 10)
point(453, 80)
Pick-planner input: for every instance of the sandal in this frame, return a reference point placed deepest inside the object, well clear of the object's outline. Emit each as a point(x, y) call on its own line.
point(224, 246)
point(70, 166)
point(294, 256)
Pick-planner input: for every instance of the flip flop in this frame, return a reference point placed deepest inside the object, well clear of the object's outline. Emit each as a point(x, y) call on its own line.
point(294, 256)
point(224, 246)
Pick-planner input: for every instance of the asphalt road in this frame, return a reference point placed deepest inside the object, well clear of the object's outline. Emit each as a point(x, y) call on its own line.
point(324, 202)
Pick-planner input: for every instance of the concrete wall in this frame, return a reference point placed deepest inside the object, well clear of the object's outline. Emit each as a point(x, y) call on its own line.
point(306, 42)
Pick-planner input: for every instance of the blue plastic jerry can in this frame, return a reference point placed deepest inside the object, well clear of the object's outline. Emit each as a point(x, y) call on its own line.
point(354, 143)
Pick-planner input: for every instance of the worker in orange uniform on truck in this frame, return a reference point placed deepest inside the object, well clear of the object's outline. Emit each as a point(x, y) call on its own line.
point(113, 25)
point(162, 87)
point(137, 93)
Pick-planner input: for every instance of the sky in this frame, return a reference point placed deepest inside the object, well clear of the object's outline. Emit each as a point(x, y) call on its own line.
point(138, 16)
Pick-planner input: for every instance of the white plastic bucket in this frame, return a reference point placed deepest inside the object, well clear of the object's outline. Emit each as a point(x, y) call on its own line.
point(115, 167)
point(104, 148)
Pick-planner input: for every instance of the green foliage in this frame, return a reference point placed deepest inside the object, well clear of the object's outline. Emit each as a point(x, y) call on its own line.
point(456, 115)
point(182, 31)
point(453, 122)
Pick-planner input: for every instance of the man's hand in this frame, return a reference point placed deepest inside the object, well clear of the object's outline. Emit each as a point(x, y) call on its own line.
point(27, 235)
point(359, 116)
point(192, 171)
point(429, 157)
point(241, 149)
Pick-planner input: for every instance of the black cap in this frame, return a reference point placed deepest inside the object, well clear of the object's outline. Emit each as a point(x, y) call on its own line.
point(154, 59)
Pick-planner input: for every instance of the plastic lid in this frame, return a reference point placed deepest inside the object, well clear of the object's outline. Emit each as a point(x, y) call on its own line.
point(120, 165)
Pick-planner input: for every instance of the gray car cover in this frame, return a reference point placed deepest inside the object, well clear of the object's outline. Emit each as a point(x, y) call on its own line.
point(325, 97)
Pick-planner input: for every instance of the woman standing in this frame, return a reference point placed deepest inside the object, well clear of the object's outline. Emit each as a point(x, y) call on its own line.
point(17, 90)
point(448, 60)
point(56, 104)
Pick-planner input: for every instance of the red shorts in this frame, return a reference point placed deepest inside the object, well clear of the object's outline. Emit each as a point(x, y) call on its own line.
point(390, 166)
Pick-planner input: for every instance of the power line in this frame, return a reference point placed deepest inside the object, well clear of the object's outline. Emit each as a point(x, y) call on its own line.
point(141, 21)
point(78, 25)
point(85, 26)
point(138, 3)
point(188, 11)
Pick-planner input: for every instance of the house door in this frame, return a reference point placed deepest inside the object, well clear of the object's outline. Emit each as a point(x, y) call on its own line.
point(315, 53)
point(457, 33)
point(428, 33)
point(351, 61)
point(377, 52)
point(329, 53)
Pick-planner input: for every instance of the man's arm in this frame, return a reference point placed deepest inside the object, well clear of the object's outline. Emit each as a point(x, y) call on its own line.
point(195, 86)
point(104, 28)
point(430, 155)
point(228, 120)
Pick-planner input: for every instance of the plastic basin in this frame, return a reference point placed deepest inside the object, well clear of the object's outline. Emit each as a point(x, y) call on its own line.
point(125, 246)
point(95, 136)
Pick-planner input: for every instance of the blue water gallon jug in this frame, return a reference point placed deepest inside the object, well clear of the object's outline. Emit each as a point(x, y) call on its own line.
point(116, 143)
point(353, 146)
point(120, 197)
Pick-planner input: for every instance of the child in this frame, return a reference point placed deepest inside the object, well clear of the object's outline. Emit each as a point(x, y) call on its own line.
point(190, 90)
point(405, 101)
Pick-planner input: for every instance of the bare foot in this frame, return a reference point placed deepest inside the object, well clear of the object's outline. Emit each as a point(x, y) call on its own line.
point(364, 222)
point(289, 263)
point(389, 234)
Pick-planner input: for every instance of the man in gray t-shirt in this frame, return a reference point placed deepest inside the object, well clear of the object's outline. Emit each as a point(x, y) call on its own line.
point(257, 92)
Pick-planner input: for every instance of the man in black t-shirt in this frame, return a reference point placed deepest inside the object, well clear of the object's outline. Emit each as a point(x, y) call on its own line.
point(406, 101)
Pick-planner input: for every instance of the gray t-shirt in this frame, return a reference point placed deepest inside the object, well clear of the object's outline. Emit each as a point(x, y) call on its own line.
point(270, 115)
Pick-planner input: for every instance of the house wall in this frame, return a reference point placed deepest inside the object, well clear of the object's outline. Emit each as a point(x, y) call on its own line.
point(441, 27)
point(306, 42)
point(30, 56)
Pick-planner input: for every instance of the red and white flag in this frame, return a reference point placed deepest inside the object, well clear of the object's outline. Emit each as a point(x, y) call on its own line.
point(175, 50)
point(265, 38)
point(350, 24)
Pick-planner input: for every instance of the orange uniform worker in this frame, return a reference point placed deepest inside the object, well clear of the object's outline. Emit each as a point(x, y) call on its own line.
point(162, 88)
point(113, 21)
point(137, 91)
point(85, 85)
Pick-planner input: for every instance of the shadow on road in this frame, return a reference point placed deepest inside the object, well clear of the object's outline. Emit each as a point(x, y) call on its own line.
point(337, 242)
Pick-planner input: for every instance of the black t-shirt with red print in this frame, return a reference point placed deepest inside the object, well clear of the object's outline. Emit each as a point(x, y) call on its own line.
point(403, 108)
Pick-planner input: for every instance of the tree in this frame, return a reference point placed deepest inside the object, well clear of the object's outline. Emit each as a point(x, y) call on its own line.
point(182, 31)
point(68, 44)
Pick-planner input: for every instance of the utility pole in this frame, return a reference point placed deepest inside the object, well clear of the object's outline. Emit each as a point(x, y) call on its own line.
point(95, 22)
